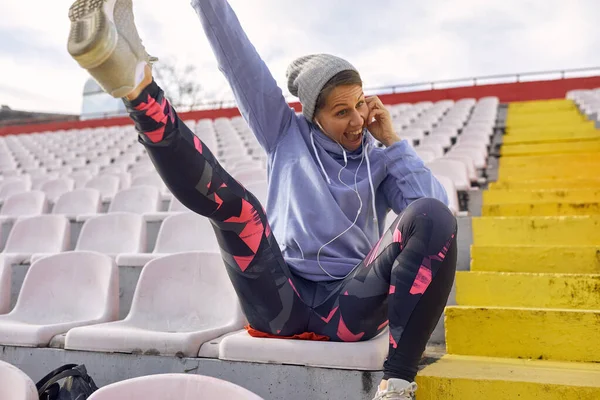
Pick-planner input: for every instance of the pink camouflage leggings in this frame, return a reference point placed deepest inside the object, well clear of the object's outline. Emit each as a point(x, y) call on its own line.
point(403, 283)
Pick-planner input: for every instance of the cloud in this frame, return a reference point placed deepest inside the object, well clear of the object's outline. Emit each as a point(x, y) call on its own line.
point(389, 41)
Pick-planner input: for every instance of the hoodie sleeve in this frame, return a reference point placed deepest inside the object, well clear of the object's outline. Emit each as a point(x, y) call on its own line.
point(259, 99)
point(408, 178)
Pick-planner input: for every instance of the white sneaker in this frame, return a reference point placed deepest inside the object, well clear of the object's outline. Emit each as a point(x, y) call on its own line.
point(105, 41)
point(397, 389)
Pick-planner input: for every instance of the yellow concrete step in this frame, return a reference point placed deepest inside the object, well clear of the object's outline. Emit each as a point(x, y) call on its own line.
point(550, 138)
point(537, 106)
point(548, 172)
point(557, 259)
point(563, 159)
point(541, 196)
point(546, 231)
point(540, 209)
point(584, 126)
point(537, 333)
point(478, 378)
point(545, 120)
point(539, 184)
point(518, 289)
point(550, 148)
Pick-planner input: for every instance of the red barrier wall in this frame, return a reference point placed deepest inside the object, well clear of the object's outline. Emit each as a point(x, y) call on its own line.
point(506, 92)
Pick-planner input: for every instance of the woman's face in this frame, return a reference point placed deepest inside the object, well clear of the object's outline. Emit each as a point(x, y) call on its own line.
point(344, 116)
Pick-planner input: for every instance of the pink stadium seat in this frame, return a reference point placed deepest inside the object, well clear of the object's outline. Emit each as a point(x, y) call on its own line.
point(113, 234)
point(137, 199)
point(78, 202)
point(23, 204)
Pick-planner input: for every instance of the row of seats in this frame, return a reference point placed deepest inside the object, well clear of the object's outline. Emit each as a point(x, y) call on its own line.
point(16, 385)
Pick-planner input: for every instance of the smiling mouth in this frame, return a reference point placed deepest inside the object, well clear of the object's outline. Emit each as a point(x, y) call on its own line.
point(354, 137)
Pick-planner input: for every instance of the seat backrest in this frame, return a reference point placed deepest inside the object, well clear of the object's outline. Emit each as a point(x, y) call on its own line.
point(57, 187)
point(40, 234)
point(5, 286)
point(448, 185)
point(453, 169)
point(185, 289)
point(15, 384)
point(113, 233)
point(108, 185)
point(26, 203)
point(260, 190)
point(173, 387)
point(138, 199)
point(176, 206)
point(425, 154)
point(69, 286)
point(12, 187)
point(186, 232)
point(80, 201)
point(148, 179)
point(80, 177)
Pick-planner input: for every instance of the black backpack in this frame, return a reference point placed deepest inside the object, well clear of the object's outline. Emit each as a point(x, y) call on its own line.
point(77, 384)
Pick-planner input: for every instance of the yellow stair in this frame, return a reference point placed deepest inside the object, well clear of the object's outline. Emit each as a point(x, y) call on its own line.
point(527, 323)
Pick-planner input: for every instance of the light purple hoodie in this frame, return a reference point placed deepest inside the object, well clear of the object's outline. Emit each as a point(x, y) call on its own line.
point(312, 212)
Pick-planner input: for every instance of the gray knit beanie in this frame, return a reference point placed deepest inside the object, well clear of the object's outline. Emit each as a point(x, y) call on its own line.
point(308, 75)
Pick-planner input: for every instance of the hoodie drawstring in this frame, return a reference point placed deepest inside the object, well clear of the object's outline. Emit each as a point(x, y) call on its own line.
point(312, 140)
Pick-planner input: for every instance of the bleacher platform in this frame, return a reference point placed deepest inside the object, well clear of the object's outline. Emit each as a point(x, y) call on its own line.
point(101, 265)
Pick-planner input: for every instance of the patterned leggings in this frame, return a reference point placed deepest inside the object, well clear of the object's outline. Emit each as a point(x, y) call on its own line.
point(404, 282)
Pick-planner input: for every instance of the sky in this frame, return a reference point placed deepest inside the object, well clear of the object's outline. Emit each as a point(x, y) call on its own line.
point(389, 41)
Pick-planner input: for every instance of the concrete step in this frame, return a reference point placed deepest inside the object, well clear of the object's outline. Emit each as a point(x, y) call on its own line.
point(563, 159)
point(553, 259)
point(550, 148)
point(550, 138)
point(541, 196)
point(536, 184)
point(551, 129)
point(542, 290)
point(540, 209)
point(545, 231)
point(477, 378)
point(549, 171)
point(536, 333)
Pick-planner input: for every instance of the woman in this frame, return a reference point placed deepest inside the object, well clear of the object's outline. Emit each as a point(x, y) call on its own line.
point(321, 264)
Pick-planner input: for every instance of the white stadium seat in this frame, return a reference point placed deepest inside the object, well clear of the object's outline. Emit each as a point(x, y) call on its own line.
point(173, 387)
point(181, 301)
point(12, 187)
point(45, 234)
point(5, 286)
point(113, 234)
point(452, 169)
point(367, 355)
point(61, 292)
point(15, 384)
point(57, 187)
point(78, 202)
point(181, 232)
point(108, 185)
point(137, 199)
point(23, 204)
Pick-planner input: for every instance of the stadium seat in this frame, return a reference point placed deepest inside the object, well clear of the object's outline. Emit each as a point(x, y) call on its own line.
point(467, 161)
point(5, 285)
point(22, 205)
point(368, 355)
point(113, 234)
point(433, 147)
point(173, 387)
point(181, 232)
point(80, 178)
point(57, 187)
point(137, 199)
point(425, 154)
point(11, 187)
point(78, 202)
point(453, 203)
point(248, 176)
point(260, 190)
point(452, 169)
point(180, 302)
point(15, 384)
point(61, 292)
point(149, 179)
point(107, 185)
point(43, 234)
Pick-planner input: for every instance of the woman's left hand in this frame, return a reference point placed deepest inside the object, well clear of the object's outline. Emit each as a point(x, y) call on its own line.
point(379, 122)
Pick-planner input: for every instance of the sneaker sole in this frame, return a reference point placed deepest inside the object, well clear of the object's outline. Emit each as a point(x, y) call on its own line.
point(94, 40)
point(93, 36)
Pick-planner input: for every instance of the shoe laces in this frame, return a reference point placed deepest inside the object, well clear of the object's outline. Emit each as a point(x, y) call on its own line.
point(402, 394)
